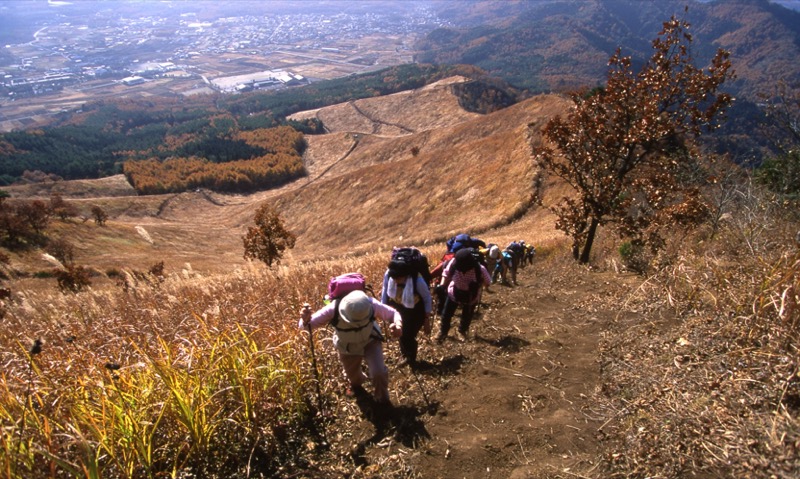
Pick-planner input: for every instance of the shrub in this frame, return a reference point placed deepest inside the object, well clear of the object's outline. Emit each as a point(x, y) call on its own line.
point(634, 256)
point(99, 214)
point(72, 278)
point(62, 250)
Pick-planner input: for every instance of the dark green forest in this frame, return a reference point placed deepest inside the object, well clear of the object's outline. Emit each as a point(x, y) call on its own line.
point(553, 46)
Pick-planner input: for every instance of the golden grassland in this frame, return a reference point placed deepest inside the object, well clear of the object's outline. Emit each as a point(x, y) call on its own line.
point(470, 172)
point(204, 373)
point(193, 373)
point(701, 365)
point(209, 375)
point(167, 376)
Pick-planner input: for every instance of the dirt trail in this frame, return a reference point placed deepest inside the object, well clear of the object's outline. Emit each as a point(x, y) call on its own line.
point(514, 401)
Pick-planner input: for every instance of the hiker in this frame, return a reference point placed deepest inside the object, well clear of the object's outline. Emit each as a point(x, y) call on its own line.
point(503, 265)
point(515, 249)
point(521, 251)
point(463, 240)
point(491, 255)
point(408, 292)
point(464, 276)
point(530, 253)
point(439, 291)
point(357, 337)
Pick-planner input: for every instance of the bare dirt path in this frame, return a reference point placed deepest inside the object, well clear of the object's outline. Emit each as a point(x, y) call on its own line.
point(515, 400)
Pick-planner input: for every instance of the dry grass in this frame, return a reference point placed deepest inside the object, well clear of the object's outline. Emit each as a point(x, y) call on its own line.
point(471, 172)
point(187, 374)
point(708, 385)
point(700, 368)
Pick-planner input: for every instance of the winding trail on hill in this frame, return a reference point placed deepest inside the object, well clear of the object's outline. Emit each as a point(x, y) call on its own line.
point(376, 123)
point(330, 166)
point(513, 401)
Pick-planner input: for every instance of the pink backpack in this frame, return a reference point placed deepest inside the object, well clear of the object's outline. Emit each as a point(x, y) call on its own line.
point(340, 285)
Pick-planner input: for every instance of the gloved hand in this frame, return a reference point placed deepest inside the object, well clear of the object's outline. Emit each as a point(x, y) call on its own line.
point(395, 330)
point(305, 314)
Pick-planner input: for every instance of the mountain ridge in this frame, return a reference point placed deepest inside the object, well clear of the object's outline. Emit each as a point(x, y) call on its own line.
point(561, 45)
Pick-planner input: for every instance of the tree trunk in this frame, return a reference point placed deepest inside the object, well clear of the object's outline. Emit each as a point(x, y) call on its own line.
point(587, 247)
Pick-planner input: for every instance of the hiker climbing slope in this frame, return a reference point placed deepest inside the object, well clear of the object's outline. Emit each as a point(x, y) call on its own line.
point(358, 338)
point(516, 250)
point(406, 289)
point(491, 255)
point(465, 278)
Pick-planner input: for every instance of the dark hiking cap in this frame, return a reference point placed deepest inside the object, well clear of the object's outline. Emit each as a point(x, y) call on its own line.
point(465, 259)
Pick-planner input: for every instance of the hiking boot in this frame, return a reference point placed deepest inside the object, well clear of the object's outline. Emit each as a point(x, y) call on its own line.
point(355, 391)
point(382, 398)
point(407, 362)
point(382, 410)
point(464, 337)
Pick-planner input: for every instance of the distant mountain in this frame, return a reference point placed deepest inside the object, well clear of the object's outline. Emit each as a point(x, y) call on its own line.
point(791, 4)
point(562, 44)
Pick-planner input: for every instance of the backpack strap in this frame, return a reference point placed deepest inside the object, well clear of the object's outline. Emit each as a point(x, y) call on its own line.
point(335, 320)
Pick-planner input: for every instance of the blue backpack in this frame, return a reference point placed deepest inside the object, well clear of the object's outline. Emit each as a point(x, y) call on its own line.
point(463, 240)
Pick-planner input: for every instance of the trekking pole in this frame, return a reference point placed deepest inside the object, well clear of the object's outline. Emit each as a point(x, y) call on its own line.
point(430, 407)
point(433, 319)
point(307, 307)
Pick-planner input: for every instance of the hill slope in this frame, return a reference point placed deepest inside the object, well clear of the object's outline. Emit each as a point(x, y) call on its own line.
point(391, 194)
point(574, 372)
point(413, 167)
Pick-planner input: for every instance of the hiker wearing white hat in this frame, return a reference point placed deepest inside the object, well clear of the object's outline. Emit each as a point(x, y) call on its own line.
point(358, 337)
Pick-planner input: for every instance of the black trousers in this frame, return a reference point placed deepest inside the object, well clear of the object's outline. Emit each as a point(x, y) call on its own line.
point(467, 312)
point(413, 320)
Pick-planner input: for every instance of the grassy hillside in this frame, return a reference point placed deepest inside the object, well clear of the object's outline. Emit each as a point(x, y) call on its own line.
point(582, 371)
point(471, 176)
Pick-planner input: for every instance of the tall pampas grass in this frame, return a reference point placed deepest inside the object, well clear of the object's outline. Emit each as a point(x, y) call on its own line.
point(217, 359)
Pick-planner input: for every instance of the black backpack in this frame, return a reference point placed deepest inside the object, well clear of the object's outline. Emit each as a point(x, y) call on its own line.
point(409, 261)
point(516, 248)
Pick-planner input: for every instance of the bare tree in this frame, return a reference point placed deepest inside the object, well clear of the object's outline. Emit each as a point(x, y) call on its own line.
point(100, 215)
point(61, 208)
point(627, 148)
point(62, 250)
